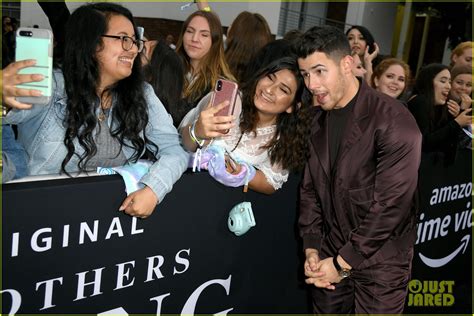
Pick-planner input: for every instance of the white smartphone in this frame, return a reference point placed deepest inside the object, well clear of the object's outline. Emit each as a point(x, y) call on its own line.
point(32, 43)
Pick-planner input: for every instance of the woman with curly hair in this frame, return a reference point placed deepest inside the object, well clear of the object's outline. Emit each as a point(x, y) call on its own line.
point(102, 113)
point(266, 136)
point(201, 48)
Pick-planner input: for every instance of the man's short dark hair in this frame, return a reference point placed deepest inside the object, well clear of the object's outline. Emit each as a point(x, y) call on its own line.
point(323, 39)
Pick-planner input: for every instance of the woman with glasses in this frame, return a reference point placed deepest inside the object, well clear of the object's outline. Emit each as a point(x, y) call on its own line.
point(102, 114)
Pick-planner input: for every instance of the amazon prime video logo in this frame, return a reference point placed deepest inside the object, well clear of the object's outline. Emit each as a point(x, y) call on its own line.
point(430, 293)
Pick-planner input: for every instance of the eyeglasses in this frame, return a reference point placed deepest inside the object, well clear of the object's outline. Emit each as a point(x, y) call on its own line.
point(127, 42)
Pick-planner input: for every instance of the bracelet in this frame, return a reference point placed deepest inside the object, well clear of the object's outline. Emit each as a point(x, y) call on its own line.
point(194, 138)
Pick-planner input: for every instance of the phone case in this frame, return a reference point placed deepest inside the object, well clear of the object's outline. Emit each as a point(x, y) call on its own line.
point(225, 90)
point(32, 43)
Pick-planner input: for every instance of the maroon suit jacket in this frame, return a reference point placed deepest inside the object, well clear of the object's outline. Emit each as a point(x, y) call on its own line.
point(364, 208)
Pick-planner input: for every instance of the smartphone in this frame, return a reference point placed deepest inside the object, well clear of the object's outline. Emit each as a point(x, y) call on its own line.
point(225, 90)
point(230, 164)
point(32, 43)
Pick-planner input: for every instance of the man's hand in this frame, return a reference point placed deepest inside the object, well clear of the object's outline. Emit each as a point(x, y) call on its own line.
point(311, 262)
point(311, 266)
point(329, 275)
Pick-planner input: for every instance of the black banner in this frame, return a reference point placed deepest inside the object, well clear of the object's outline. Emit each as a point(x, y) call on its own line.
point(67, 249)
point(442, 265)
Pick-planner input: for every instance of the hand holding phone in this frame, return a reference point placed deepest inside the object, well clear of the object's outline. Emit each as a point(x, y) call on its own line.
point(224, 90)
point(36, 44)
point(12, 78)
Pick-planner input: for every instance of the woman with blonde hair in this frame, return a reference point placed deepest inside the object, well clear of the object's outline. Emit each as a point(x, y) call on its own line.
point(245, 37)
point(201, 48)
point(391, 77)
point(462, 54)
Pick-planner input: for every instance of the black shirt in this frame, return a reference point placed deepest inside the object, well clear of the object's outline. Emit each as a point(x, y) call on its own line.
point(337, 121)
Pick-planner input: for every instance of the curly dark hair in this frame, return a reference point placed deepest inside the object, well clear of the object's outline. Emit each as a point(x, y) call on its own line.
point(81, 78)
point(289, 145)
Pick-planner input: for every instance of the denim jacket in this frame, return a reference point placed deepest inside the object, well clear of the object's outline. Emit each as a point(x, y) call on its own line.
point(41, 130)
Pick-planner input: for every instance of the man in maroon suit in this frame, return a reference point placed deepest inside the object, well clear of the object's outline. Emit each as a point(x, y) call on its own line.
point(357, 198)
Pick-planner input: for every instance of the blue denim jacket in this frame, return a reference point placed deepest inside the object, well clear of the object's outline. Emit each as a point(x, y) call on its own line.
point(41, 131)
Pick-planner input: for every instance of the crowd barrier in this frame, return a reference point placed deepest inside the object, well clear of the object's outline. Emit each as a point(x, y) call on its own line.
point(67, 249)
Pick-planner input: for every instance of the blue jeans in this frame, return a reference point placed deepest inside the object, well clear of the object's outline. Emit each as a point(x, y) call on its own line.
point(13, 156)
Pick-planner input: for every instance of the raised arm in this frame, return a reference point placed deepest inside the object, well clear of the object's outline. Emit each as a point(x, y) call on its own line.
point(202, 125)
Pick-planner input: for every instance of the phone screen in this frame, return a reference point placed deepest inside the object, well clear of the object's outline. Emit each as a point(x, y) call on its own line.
point(36, 48)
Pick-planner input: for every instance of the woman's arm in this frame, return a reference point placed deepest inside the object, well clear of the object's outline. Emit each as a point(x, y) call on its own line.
point(206, 127)
point(260, 184)
point(171, 162)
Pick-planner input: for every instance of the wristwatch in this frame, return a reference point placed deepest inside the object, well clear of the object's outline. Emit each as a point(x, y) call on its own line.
point(343, 273)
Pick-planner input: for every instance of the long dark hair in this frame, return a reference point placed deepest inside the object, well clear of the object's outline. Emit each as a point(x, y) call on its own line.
point(424, 86)
point(165, 73)
point(288, 146)
point(81, 79)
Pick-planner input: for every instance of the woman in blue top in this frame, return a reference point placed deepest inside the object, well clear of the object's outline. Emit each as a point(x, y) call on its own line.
point(102, 114)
